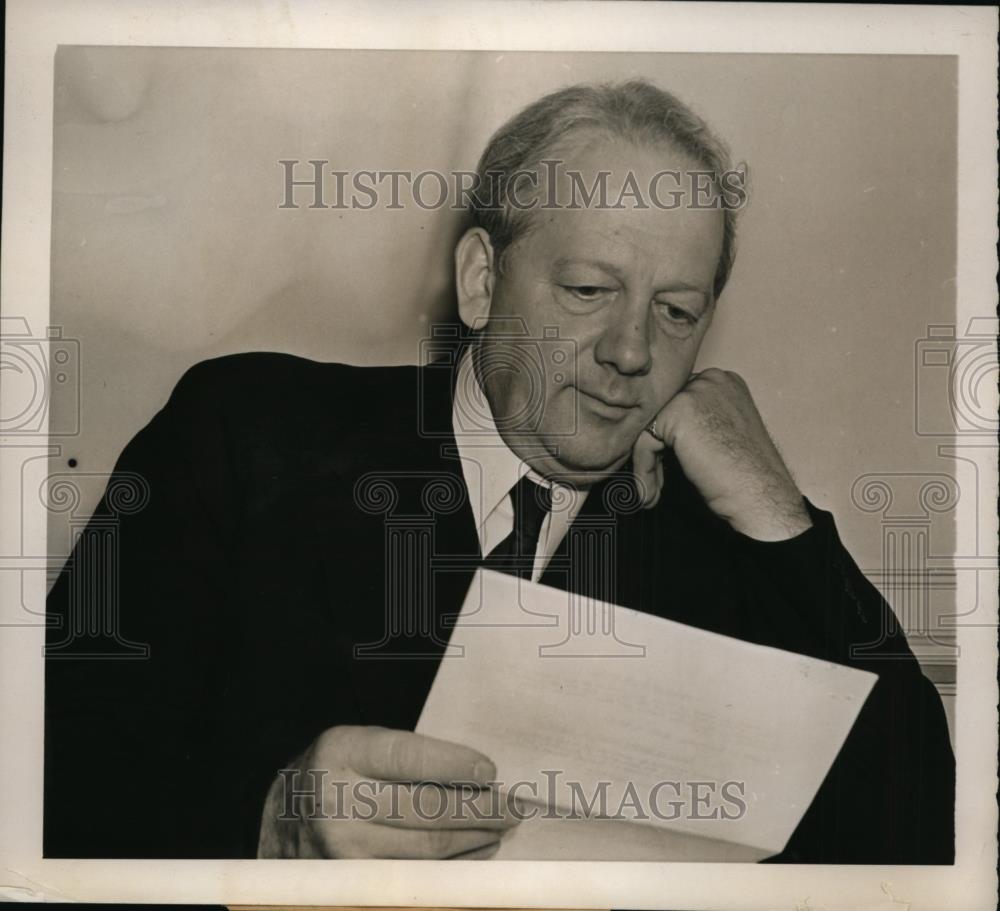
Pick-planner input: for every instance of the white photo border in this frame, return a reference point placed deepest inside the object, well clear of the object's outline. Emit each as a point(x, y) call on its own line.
point(36, 27)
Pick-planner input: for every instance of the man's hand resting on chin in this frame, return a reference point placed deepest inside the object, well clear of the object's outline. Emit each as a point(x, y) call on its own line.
point(718, 436)
point(386, 793)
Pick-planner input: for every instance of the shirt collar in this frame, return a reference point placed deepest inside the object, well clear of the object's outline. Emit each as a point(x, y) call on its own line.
point(489, 466)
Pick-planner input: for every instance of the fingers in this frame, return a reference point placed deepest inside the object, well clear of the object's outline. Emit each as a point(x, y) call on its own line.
point(650, 483)
point(675, 413)
point(646, 453)
point(717, 376)
point(396, 800)
point(708, 373)
point(659, 482)
point(424, 844)
point(479, 854)
point(645, 465)
point(391, 755)
point(427, 806)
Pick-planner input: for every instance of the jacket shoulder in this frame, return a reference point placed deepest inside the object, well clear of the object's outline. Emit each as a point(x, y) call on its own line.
point(261, 382)
point(258, 371)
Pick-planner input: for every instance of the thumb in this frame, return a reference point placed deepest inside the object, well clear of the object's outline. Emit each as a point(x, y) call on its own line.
point(393, 755)
point(671, 416)
point(647, 468)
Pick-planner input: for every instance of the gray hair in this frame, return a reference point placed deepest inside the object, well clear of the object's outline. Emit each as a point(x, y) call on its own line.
point(636, 109)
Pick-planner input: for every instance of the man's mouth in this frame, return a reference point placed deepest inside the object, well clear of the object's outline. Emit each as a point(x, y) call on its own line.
point(607, 406)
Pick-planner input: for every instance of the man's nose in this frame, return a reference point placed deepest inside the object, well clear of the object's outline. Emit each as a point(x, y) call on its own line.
point(624, 344)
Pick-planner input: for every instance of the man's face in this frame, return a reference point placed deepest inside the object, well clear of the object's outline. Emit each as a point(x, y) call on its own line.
point(630, 289)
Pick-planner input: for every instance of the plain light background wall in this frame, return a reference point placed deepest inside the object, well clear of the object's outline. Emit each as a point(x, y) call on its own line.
point(169, 246)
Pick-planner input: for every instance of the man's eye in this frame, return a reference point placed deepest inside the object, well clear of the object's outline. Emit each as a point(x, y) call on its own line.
point(586, 292)
point(678, 314)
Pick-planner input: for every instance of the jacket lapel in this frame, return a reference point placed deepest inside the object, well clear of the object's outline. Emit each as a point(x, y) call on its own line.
point(395, 534)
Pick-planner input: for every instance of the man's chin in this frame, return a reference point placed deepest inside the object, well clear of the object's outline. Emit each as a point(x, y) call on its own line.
point(585, 467)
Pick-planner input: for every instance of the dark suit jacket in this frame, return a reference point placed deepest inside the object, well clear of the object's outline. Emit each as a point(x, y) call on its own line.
point(248, 524)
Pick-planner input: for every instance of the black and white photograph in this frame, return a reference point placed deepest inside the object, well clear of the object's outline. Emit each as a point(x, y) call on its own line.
point(527, 468)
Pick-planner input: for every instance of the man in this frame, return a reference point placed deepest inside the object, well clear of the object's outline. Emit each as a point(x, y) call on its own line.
point(311, 529)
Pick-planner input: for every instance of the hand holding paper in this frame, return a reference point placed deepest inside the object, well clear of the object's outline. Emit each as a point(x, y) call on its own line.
point(687, 745)
point(377, 803)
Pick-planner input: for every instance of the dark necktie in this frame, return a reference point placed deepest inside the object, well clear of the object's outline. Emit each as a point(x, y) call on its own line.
point(515, 554)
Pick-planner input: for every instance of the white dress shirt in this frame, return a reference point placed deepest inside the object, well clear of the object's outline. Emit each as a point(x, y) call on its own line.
point(491, 470)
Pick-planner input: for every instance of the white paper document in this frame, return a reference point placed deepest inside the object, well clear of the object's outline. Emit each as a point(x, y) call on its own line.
point(630, 737)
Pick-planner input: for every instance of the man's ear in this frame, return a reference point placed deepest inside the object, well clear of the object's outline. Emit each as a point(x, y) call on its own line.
point(474, 277)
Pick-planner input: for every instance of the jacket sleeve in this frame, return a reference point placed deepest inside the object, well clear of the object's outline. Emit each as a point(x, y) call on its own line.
point(136, 636)
point(889, 797)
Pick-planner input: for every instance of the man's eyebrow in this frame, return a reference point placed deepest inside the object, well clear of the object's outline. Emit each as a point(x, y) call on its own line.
point(684, 286)
point(598, 263)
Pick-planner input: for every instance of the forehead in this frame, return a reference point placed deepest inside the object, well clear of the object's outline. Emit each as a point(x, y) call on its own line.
point(646, 226)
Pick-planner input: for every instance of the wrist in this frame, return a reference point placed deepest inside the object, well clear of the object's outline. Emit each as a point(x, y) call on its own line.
point(773, 521)
point(284, 832)
point(272, 829)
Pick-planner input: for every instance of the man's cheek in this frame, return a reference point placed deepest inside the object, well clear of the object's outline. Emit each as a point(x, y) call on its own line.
point(666, 390)
point(562, 413)
point(635, 427)
point(616, 438)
